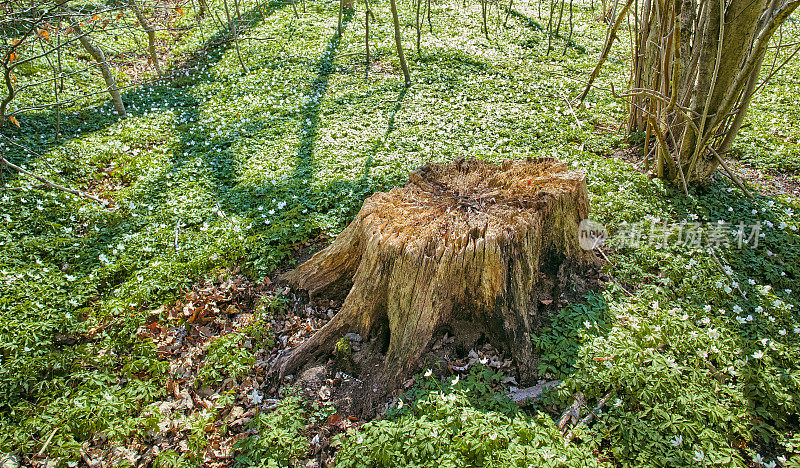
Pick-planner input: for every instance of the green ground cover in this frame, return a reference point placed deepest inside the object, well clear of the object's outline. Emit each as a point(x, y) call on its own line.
point(219, 168)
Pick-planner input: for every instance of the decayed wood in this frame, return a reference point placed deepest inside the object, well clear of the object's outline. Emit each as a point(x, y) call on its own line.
point(523, 396)
point(467, 244)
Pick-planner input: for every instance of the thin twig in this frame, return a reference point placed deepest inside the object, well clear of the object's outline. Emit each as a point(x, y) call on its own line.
point(574, 114)
point(716, 259)
point(47, 442)
point(41, 179)
point(586, 420)
point(630, 294)
point(731, 175)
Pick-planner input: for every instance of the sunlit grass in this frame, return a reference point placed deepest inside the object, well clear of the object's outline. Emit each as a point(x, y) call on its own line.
point(214, 167)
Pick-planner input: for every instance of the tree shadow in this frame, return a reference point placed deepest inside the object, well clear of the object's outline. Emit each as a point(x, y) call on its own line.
point(173, 91)
point(534, 25)
point(139, 98)
point(310, 112)
point(720, 288)
point(373, 151)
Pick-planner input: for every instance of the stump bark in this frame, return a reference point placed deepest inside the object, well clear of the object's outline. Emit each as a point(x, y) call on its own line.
point(467, 246)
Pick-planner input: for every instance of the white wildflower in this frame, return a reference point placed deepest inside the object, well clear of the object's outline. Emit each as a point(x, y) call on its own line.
point(255, 397)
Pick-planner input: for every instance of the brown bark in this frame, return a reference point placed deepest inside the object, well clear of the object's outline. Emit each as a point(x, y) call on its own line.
point(203, 9)
point(612, 35)
point(467, 245)
point(367, 14)
point(233, 24)
point(696, 68)
point(399, 43)
point(151, 35)
point(100, 57)
point(344, 5)
point(419, 32)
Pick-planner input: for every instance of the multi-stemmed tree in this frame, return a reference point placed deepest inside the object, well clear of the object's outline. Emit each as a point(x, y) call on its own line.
point(696, 67)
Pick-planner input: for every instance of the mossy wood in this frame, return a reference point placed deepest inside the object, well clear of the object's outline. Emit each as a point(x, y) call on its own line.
point(467, 246)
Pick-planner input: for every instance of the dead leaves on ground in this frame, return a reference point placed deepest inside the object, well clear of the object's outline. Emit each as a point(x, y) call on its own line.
point(204, 421)
point(182, 333)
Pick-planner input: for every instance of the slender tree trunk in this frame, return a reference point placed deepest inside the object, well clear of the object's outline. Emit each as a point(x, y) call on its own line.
point(428, 13)
point(56, 67)
point(339, 20)
point(343, 5)
point(568, 42)
point(151, 35)
point(203, 8)
point(399, 43)
point(419, 33)
point(233, 23)
point(550, 27)
point(612, 35)
point(367, 13)
point(484, 22)
point(99, 57)
point(560, 17)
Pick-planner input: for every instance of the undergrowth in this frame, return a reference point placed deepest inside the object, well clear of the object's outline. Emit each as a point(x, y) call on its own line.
point(697, 348)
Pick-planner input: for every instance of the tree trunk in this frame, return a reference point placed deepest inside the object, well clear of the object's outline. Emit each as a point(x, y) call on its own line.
point(99, 57)
point(467, 247)
point(419, 32)
point(203, 9)
point(399, 43)
point(367, 14)
point(151, 35)
point(233, 25)
point(695, 70)
point(344, 5)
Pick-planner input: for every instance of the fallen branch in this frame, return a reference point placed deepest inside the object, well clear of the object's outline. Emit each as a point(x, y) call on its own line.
point(572, 414)
point(731, 175)
point(47, 443)
point(586, 420)
point(722, 267)
point(526, 395)
point(574, 114)
point(6, 162)
point(625, 290)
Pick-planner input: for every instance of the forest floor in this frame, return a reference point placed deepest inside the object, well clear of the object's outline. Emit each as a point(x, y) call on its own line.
point(144, 331)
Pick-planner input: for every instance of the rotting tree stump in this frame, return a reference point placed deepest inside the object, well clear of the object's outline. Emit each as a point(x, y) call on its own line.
point(467, 246)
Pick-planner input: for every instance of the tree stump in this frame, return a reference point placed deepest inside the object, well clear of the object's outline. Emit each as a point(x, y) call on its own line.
point(463, 246)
